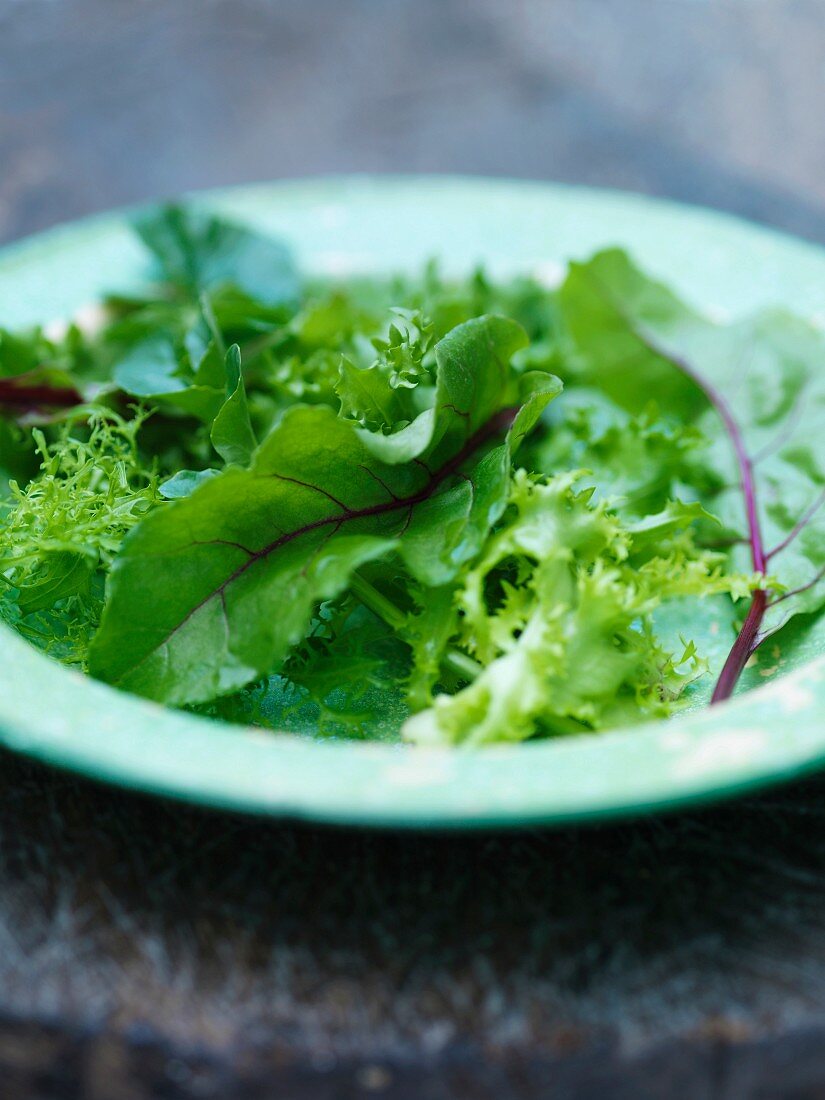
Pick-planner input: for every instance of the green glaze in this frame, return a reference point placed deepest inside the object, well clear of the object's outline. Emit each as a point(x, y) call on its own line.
point(380, 225)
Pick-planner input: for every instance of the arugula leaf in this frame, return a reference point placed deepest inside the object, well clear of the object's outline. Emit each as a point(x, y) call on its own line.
point(213, 590)
point(757, 390)
point(350, 665)
point(204, 253)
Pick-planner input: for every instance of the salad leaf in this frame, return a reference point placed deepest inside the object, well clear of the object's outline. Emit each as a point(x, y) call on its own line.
point(567, 643)
point(203, 253)
point(232, 435)
point(212, 591)
point(639, 461)
point(386, 395)
point(184, 483)
point(756, 389)
point(153, 370)
point(37, 392)
point(63, 529)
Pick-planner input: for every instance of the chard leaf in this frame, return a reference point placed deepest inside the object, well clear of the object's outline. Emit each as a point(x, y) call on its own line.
point(756, 389)
point(232, 435)
point(213, 590)
point(204, 254)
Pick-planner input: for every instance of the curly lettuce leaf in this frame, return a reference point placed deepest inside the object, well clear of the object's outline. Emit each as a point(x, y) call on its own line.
point(62, 530)
point(558, 613)
point(638, 461)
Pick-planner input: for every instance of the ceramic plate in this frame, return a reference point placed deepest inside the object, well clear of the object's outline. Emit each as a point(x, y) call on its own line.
point(382, 225)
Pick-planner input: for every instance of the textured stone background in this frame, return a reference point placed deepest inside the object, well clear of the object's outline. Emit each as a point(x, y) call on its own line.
point(148, 950)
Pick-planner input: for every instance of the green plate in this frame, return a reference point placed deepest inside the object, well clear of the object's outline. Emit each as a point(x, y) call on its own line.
point(383, 224)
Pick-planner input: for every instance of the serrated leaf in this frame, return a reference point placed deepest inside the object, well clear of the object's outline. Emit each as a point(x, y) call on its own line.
point(569, 645)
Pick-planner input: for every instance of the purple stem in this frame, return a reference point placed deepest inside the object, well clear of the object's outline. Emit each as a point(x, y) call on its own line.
point(746, 643)
point(749, 637)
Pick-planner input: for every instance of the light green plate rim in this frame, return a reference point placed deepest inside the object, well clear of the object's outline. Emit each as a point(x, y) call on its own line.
point(382, 224)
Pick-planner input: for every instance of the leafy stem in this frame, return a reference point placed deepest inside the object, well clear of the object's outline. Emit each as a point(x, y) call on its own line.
point(453, 659)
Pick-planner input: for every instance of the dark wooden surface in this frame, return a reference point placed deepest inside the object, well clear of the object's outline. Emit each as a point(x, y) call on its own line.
point(150, 950)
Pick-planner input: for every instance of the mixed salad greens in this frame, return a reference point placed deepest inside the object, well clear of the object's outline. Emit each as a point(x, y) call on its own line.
point(452, 511)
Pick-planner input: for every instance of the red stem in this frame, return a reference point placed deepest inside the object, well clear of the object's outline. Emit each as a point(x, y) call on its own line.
point(746, 643)
point(749, 638)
